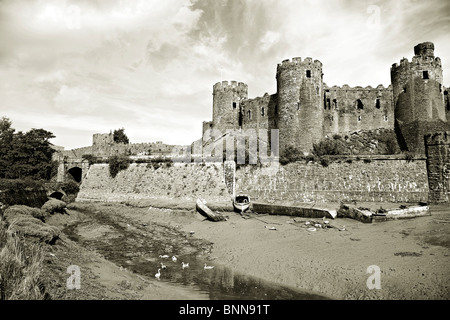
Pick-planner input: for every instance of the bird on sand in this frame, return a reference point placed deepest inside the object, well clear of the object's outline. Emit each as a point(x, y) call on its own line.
point(164, 256)
point(174, 258)
point(163, 266)
point(207, 267)
point(184, 265)
point(157, 275)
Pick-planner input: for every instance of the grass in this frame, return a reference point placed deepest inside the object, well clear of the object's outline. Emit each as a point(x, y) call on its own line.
point(20, 267)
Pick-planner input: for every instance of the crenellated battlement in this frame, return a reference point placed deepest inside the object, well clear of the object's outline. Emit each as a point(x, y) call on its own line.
point(434, 62)
point(297, 61)
point(225, 85)
point(346, 87)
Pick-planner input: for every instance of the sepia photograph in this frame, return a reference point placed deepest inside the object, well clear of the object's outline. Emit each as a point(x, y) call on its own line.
point(223, 157)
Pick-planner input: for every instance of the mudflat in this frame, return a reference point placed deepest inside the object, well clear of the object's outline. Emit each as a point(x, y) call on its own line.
point(412, 255)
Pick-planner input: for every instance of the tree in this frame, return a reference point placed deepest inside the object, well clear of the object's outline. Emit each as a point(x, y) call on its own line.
point(25, 155)
point(119, 136)
point(6, 137)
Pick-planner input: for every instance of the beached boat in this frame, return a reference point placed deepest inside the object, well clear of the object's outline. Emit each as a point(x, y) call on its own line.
point(203, 209)
point(241, 202)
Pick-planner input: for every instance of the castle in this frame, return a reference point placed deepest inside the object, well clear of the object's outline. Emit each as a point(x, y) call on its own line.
point(305, 110)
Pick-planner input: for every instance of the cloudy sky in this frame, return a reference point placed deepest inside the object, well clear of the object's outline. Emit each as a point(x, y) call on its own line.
point(79, 67)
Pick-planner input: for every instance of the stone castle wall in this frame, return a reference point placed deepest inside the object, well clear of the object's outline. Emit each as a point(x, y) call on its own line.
point(352, 109)
point(438, 162)
point(378, 180)
point(374, 181)
point(141, 181)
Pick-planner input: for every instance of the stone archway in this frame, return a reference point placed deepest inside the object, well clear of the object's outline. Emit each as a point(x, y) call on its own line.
point(76, 173)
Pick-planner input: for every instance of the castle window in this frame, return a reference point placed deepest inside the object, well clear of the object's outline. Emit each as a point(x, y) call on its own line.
point(298, 105)
point(262, 111)
point(308, 73)
point(317, 90)
point(359, 118)
point(425, 74)
point(359, 104)
point(334, 104)
point(440, 87)
point(276, 109)
point(404, 89)
point(234, 105)
point(385, 118)
point(249, 114)
point(377, 104)
point(328, 104)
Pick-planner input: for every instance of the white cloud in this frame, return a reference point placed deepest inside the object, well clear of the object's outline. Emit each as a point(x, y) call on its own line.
point(149, 66)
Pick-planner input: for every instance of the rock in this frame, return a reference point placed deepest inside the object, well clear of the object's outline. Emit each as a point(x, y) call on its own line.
point(54, 206)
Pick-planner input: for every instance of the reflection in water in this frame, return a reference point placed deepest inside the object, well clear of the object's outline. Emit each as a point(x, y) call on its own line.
point(221, 283)
point(133, 251)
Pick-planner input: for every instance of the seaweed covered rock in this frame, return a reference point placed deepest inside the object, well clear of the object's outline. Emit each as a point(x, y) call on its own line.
point(30, 222)
point(34, 228)
point(18, 210)
point(53, 206)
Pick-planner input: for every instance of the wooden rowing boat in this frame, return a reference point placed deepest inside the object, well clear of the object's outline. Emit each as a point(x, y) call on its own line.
point(203, 209)
point(241, 203)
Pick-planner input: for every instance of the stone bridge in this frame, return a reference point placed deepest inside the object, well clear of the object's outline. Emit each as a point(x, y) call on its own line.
point(72, 168)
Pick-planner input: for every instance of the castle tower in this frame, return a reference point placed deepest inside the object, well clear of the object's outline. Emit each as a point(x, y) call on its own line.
point(300, 103)
point(226, 104)
point(418, 97)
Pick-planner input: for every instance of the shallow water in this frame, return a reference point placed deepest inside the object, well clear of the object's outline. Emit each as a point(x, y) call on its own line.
point(139, 251)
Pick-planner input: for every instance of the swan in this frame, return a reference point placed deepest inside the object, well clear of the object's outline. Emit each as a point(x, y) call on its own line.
point(207, 267)
point(163, 266)
point(164, 256)
point(174, 258)
point(158, 274)
point(184, 265)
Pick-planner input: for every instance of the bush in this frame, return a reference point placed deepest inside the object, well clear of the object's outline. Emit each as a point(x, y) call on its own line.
point(20, 184)
point(90, 158)
point(70, 187)
point(328, 147)
point(117, 163)
point(291, 154)
point(324, 161)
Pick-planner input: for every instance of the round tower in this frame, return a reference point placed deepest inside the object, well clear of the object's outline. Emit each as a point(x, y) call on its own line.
point(300, 103)
point(226, 104)
point(417, 86)
point(418, 94)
